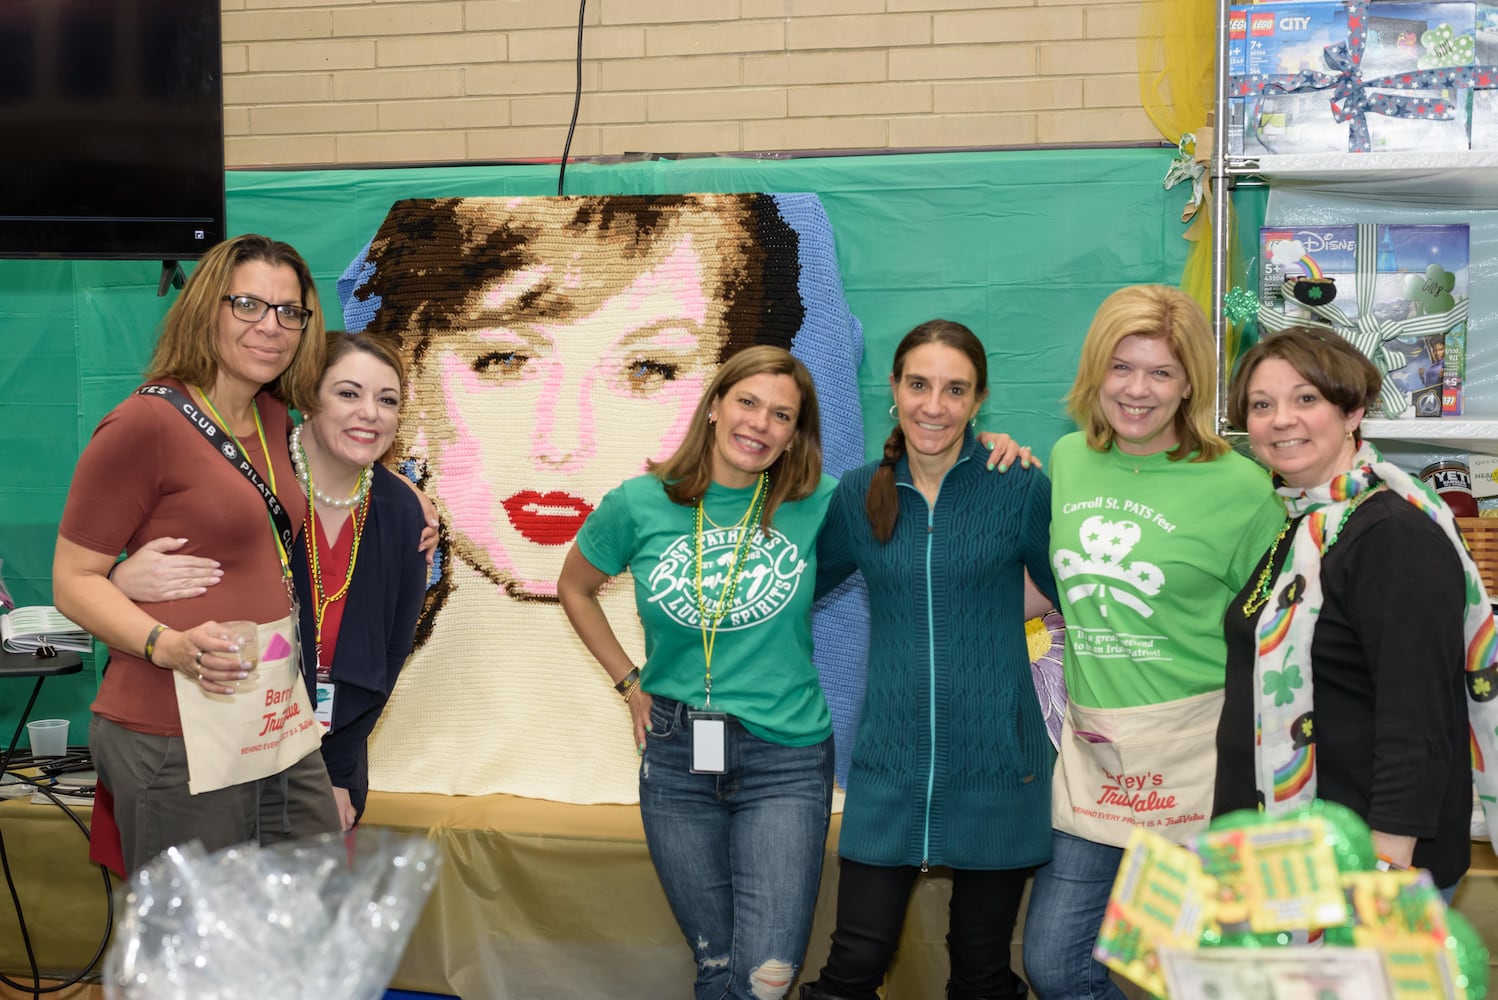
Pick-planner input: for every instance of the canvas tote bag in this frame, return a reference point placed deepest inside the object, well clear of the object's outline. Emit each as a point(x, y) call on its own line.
point(1151, 766)
point(261, 729)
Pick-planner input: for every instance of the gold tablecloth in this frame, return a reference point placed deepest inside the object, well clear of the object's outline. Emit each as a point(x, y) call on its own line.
point(535, 900)
point(548, 900)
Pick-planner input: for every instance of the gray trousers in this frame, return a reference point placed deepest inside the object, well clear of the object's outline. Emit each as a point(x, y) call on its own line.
point(147, 775)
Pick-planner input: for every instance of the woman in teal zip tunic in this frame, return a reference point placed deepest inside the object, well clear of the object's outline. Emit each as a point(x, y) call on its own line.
point(951, 762)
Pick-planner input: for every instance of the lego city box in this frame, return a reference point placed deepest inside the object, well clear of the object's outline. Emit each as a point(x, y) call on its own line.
point(1300, 123)
point(1287, 60)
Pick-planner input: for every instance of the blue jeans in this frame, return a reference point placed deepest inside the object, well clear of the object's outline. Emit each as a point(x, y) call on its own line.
point(1067, 902)
point(739, 854)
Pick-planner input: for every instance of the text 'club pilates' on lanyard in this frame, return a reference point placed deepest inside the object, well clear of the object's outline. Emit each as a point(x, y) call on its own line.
point(747, 525)
point(270, 468)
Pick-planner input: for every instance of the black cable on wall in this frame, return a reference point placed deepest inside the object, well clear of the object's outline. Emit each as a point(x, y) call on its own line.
point(577, 98)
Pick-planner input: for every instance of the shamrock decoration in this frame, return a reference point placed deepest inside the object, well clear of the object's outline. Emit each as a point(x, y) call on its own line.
point(1444, 47)
point(1431, 292)
point(1240, 305)
point(1282, 684)
point(1480, 683)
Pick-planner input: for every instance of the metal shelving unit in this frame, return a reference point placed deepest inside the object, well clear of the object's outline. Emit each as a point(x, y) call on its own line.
point(1467, 179)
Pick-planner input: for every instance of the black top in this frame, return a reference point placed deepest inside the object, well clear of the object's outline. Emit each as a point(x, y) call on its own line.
point(1390, 699)
point(379, 626)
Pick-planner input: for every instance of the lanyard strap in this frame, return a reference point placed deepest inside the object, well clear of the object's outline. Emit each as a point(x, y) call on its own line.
point(747, 526)
point(234, 454)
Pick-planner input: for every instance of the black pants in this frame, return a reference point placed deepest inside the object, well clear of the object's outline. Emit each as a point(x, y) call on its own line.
point(871, 902)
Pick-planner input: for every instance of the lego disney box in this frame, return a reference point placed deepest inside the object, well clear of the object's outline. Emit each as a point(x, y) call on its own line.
point(1420, 270)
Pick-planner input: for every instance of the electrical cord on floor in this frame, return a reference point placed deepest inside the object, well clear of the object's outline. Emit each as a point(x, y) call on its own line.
point(76, 760)
point(577, 97)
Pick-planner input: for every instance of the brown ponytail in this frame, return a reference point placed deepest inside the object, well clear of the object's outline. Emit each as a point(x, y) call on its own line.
point(882, 502)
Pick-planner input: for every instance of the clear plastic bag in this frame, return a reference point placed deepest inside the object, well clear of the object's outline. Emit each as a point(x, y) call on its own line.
point(323, 918)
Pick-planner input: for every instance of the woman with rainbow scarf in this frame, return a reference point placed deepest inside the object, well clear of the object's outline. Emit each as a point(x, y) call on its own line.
point(1368, 591)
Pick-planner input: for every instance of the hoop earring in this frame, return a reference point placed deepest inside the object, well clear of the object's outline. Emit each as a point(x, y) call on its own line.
point(894, 411)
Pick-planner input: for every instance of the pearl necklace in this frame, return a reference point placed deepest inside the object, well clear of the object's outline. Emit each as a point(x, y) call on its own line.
point(304, 475)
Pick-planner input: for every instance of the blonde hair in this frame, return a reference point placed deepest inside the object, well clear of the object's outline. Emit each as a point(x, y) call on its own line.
point(798, 470)
point(187, 348)
point(1158, 312)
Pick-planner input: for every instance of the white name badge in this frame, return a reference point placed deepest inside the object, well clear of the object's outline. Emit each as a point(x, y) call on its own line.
point(326, 690)
point(708, 736)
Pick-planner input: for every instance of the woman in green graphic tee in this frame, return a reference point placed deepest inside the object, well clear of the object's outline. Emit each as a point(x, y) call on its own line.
point(729, 717)
point(1155, 525)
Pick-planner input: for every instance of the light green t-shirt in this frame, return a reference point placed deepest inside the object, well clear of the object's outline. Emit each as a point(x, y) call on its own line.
point(762, 672)
point(1147, 554)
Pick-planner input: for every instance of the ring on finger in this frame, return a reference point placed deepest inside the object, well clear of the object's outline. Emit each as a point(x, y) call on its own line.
point(198, 658)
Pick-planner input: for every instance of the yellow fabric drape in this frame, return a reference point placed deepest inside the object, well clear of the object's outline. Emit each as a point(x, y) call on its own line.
point(1177, 59)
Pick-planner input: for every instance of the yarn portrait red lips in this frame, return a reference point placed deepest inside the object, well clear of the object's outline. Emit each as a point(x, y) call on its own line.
point(552, 518)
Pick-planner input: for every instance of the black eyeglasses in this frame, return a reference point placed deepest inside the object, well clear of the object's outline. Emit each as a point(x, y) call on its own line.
point(252, 310)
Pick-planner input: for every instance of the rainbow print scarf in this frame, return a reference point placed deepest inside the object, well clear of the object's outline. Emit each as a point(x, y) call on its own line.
point(1285, 752)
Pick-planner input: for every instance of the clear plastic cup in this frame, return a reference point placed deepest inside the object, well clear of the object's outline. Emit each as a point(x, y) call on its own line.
point(49, 737)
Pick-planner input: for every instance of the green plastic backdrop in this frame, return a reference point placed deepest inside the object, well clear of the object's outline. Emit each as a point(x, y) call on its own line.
point(1020, 246)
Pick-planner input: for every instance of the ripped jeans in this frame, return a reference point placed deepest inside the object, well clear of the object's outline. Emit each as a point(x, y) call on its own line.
point(739, 854)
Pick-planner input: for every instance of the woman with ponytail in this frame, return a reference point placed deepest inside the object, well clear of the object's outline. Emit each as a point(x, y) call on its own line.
point(951, 761)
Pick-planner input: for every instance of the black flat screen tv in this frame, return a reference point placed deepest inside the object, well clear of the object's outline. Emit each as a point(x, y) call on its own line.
point(113, 122)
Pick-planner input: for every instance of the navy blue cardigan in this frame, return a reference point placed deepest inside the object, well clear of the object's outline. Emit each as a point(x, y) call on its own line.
point(379, 625)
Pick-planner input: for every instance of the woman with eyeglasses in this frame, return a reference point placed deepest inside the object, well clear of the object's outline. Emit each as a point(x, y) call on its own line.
point(199, 453)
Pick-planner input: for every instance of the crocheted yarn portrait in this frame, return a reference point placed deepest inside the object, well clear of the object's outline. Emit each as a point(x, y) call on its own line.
point(553, 347)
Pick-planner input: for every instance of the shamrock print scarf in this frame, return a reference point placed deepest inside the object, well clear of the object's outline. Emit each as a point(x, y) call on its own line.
point(1285, 753)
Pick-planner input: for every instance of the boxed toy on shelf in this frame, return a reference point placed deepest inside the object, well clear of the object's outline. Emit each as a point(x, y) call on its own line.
point(1320, 76)
point(1413, 288)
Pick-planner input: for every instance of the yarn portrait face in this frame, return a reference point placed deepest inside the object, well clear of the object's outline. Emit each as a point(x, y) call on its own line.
point(559, 377)
point(554, 347)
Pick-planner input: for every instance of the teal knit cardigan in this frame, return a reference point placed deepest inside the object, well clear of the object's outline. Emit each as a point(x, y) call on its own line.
point(951, 762)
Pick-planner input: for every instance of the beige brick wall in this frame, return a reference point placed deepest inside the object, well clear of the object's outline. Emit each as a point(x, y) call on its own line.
point(325, 82)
